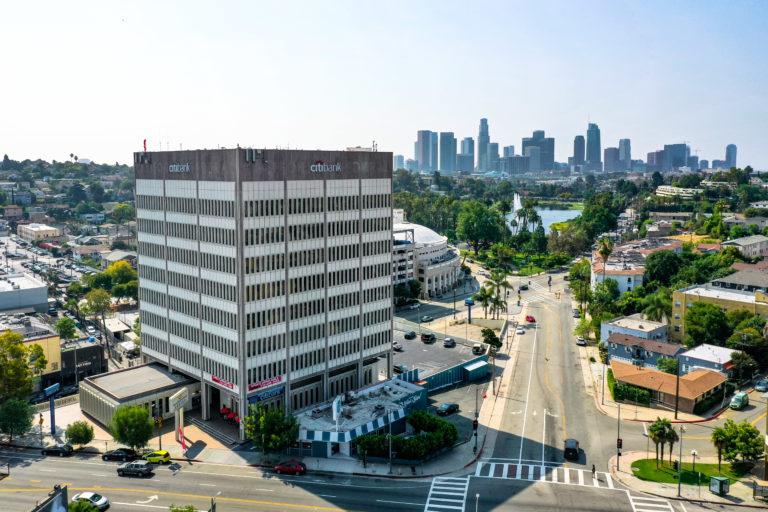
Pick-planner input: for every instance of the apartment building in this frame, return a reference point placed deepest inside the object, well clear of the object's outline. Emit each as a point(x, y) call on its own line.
point(266, 275)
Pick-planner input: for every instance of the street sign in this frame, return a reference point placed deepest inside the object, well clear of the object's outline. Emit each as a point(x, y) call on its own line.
point(178, 399)
point(50, 390)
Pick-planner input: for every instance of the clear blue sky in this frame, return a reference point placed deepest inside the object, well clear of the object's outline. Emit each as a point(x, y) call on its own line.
point(96, 78)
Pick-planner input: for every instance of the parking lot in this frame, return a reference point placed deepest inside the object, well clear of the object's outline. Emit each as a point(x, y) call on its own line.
point(429, 357)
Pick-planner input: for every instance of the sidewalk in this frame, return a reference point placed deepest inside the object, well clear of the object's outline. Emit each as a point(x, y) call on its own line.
point(740, 492)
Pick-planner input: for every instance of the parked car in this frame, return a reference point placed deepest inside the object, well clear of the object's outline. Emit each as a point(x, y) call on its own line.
point(137, 468)
point(410, 335)
point(426, 318)
point(571, 450)
point(397, 347)
point(447, 408)
point(529, 318)
point(762, 386)
point(399, 368)
point(428, 337)
point(576, 313)
point(123, 454)
point(291, 467)
point(449, 342)
point(478, 348)
point(739, 401)
point(415, 305)
point(158, 457)
point(61, 450)
point(523, 287)
point(91, 330)
point(580, 341)
point(519, 330)
point(95, 500)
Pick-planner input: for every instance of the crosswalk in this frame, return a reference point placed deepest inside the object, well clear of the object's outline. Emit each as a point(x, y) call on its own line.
point(447, 493)
point(549, 474)
point(648, 504)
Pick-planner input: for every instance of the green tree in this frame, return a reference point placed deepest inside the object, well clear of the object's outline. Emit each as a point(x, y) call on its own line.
point(15, 366)
point(672, 437)
point(66, 328)
point(720, 440)
point(497, 284)
point(656, 433)
point(604, 249)
point(489, 337)
point(132, 426)
point(743, 365)
point(661, 266)
point(705, 323)
point(271, 430)
point(123, 213)
point(583, 328)
point(657, 306)
point(80, 432)
point(667, 365)
point(579, 282)
point(15, 417)
point(742, 440)
point(98, 303)
point(179, 508)
point(484, 298)
point(81, 506)
point(479, 225)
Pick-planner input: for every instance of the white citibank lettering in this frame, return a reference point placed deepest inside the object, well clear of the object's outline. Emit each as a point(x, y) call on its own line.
point(323, 167)
point(178, 168)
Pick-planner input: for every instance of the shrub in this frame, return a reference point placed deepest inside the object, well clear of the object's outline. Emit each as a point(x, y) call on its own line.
point(633, 393)
point(433, 434)
point(611, 381)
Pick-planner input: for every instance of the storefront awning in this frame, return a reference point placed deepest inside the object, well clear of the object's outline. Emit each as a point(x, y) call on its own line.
point(346, 437)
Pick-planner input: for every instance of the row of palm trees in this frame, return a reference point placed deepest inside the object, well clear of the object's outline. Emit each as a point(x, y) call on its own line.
point(493, 294)
point(662, 432)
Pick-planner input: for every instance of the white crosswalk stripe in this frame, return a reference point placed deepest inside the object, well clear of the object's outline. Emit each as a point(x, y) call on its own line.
point(549, 474)
point(447, 493)
point(649, 504)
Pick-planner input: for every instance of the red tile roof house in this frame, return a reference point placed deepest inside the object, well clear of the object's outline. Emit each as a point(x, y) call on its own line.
point(694, 386)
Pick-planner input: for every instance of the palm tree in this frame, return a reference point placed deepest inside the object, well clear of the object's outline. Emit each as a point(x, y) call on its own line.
point(604, 249)
point(720, 440)
point(496, 285)
point(658, 306)
point(483, 297)
point(656, 434)
point(672, 438)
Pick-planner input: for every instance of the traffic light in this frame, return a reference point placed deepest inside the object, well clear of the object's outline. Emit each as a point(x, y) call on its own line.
point(619, 443)
point(474, 425)
point(674, 465)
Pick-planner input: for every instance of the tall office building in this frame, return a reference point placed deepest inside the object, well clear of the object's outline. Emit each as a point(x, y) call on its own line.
point(704, 164)
point(611, 159)
point(447, 152)
point(493, 156)
point(693, 163)
point(675, 156)
point(593, 162)
point(465, 162)
point(625, 154)
point(546, 147)
point(398, 162)
point(423, 149)
point(578, 150)
point(266, 275)
point(483, 139)
point(509, 151)
point(730, 155)
point(534, 158)
point(434, 152)
point(654, 161)
point(468, 148)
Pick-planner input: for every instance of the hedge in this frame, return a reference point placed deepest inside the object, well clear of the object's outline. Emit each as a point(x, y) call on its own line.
point(632, 393)
point(611, 382)
point(433, 435)
point(712, 400)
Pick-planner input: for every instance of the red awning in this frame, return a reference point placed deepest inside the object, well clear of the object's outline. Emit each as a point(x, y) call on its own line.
point(728, 366)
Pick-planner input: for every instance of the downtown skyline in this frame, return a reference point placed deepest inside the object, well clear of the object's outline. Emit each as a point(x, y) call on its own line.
point(342, 74)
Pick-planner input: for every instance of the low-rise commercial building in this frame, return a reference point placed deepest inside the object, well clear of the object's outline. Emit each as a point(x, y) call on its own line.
point(34, 231)
point(22, 293)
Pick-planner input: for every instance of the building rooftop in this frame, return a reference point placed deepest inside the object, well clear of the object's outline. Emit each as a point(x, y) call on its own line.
point(136, 381)
point(636, 322)
point(28, 326)
point(19, 281)
point(710, 353)
point(360, 407)
point(658, 347)
point(422, 235)
point(749, 277)
point(39, 227)
point(747, 240)
point(692, 385)
point(717, 292)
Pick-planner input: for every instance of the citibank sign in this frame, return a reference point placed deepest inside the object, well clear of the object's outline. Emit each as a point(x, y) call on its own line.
point(319, 166)
point(178, 168)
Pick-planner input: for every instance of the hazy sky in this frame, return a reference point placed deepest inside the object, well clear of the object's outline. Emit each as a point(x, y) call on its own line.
point(96, 78)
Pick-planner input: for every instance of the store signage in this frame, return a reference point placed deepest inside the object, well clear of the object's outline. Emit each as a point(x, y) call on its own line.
point(178, 399)
point(267, 394)
point(265, 383)
point(83, 363)
point(178, 168)
point(319, 166)
point(222, 382)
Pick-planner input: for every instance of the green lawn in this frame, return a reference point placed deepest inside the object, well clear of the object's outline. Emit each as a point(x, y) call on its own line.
point(645, 469)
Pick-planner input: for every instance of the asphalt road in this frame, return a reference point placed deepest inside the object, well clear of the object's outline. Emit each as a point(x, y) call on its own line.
point(235, 488)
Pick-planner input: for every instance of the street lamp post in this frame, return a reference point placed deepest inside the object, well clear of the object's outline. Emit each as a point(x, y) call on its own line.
point(390, 441)
point(477, 499)
point(618, 436)
point(680, 465)
point(694, 453)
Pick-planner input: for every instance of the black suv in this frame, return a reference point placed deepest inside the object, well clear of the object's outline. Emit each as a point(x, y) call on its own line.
point(62, 450)
point(428, 337)
point(123, 454)
point(137, 467)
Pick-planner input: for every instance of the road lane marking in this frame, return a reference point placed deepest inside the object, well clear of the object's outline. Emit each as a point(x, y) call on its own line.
point(400, 502)
point(139, 505)
point(546, 372)
point(528, 392)
point(209, 485)
point(327, 495)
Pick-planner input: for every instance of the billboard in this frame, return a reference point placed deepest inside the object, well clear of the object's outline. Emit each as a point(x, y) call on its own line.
point(57, 501)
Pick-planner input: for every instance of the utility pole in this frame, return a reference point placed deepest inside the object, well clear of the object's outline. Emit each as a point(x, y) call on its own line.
point(677, 387)
point(389, 418)
point(680, 463)
point(618, 436)
point(454, 303)
point(477, 390)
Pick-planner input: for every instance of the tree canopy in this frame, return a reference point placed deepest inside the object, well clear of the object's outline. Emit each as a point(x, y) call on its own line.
point(705, 323)
point(15, 417)
point(271, 430)
point(18, 362)
point(736, 440)
point(479, 225)
point(132, 426)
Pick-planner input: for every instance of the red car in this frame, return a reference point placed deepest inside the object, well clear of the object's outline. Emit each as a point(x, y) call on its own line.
point(529, 318)
point(292, 467)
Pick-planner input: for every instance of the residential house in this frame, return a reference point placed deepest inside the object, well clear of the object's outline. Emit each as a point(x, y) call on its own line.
point(745, 222)
point(92, 218)
point(626, 264)
point(748, 280)
point(13, 212)
point(708, 248)
point(665, 388)
point(92, 252)
point(724, 298)
point(760, 265)
point(118, 255)
point(755, 246)
point(707, 357)
point(637, 326)
point(638, 351)
point(681, 217)
point(658, 229)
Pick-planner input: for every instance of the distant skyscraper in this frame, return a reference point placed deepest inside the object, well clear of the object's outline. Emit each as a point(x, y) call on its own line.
point(423, 143)
point(719, 164)
point(546, 147)
point(398, 162)
point(483, 139)
point(433, 152)
point(625, 154)
point(465, 162)
point(654, 161)
point(412, 165)
point(447, 152)
point(534, 158)
point(493, 156)
point(468, 148)
point(509, 151)
point(675, 156)
point(693, 163)
point(611, 159)
point(703, 164)
point(593, 148)
point(730, 155)
point(578, 150)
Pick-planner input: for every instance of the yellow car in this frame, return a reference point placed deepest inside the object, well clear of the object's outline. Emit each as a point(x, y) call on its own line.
point(158, 457)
